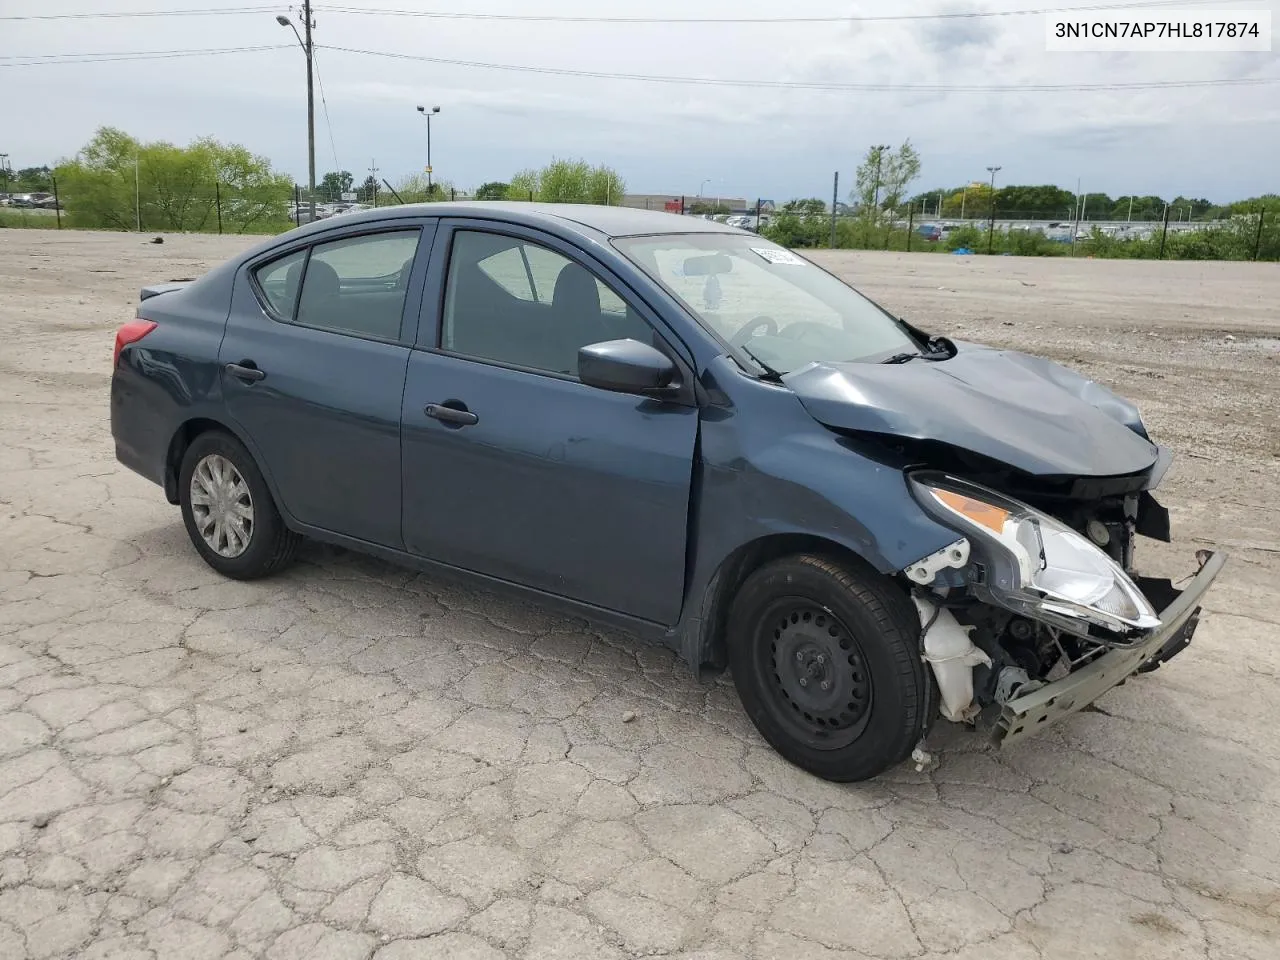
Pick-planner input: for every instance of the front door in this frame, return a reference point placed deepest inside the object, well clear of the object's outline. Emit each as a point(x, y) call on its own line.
point(516, 469)
point(313, 366)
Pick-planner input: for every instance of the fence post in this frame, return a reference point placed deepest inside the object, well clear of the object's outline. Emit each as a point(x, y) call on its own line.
point(1257, 237)
point(758, 204)
point(531, 196)
point(217, 200)
point(682, 205)
point(297, 206)
point(835, 192)
point(911, 224)
point(453, 193)
point(57, 207)
point(1164, 231)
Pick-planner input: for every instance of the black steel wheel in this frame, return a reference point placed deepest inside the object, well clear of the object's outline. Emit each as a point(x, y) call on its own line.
point(822, 682)
point(826, 659)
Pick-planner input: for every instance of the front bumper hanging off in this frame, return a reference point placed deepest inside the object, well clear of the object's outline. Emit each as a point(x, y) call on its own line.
point(1026, 715)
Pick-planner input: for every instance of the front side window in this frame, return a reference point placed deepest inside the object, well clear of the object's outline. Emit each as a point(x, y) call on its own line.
point(783, 310)
point(522, 304)
point(354, 286)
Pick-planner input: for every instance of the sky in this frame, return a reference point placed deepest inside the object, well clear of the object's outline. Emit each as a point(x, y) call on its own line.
point(1221, 143)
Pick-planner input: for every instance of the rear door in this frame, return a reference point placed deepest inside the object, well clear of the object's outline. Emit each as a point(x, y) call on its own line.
point(313, 367)
point(516, 469)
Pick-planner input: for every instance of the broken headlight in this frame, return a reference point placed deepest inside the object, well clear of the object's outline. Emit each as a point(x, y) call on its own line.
point(1035, 564)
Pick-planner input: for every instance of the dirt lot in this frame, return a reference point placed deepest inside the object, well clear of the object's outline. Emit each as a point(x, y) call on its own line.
point(352, 760)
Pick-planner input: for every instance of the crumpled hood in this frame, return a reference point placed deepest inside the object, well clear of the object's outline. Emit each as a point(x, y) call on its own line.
point(1030, 413)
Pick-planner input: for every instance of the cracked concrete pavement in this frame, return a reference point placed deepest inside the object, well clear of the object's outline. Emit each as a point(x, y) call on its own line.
point(352, 760)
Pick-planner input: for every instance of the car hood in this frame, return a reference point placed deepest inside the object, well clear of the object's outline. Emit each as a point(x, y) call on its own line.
point(1032, 414)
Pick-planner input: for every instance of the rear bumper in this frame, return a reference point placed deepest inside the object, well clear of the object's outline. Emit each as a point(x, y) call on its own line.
point(136, 428)
point(1027, 715)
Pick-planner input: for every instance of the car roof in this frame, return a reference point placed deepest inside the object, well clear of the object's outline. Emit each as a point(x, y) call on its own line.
point(610, 221)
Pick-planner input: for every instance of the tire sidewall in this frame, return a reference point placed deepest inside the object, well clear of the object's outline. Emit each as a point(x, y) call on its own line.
point(266, 519)
point(895, 697)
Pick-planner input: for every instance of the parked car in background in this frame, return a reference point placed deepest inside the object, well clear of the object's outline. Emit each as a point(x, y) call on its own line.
point(678, 429)
point(930, 231)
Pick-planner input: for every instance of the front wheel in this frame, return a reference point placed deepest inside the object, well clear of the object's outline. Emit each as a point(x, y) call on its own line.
point(826, 659)
point(228, 511)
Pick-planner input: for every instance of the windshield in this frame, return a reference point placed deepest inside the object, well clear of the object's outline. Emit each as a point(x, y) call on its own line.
point(780, 308)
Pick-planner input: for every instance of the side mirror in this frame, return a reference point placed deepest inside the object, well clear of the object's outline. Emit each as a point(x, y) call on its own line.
point(626, 366)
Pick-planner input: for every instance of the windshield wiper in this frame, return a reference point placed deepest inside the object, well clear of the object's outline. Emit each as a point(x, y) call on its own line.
point(770, 373)
point(927, 355)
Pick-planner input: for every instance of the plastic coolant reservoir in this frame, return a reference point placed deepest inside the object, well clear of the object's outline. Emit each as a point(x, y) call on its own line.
point(952, 655)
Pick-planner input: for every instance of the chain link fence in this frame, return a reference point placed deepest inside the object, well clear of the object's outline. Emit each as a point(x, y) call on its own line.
point(219, 208)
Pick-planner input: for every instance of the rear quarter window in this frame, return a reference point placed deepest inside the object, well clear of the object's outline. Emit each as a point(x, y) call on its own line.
point(279, 281)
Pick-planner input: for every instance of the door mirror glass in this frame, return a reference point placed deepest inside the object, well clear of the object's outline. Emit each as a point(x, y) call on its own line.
point(626, 366)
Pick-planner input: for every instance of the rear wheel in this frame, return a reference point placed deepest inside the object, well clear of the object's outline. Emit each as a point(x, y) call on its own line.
point(228, 511)
point(826, 659)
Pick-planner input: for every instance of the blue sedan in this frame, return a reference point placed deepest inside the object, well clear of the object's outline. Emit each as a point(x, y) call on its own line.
point(679, 429)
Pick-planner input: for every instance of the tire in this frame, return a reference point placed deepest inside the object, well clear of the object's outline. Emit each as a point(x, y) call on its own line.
point(802, 621)
point(229, 484)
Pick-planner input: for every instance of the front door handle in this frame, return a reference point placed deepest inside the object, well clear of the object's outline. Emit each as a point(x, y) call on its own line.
point(245, 370)
point(452, 413)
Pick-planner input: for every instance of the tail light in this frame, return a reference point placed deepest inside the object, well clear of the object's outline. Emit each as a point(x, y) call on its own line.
point(131, 332)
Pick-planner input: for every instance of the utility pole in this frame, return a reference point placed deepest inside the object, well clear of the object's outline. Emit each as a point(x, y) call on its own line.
point(373, 173)
point(991, 225)
point(311, 109)
point(1129, 219)
point(4, 168)
point(307, 24)
point(964, 192)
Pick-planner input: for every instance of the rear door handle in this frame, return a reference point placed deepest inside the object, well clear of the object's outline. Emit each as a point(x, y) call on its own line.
point(457, 416)
point(245, 371)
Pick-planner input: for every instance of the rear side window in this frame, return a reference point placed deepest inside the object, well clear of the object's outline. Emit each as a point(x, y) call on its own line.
point(357, 285)
point(279, 281)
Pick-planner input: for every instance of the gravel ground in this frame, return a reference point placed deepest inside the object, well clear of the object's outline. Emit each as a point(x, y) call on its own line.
point(351, 760)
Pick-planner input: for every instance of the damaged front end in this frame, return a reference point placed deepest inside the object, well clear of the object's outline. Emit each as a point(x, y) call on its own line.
point(1036, 610)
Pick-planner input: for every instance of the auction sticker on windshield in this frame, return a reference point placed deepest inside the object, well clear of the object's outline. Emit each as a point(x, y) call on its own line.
point(778, 256)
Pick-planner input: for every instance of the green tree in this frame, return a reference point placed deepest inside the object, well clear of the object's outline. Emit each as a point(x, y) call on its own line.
point(1137, 208)
point(493, 190)
point(810, 205)
point(32, 180)
point(882, 179)
point(336, 183)
point(569, 181)
point(415, 188)
point(115, 181)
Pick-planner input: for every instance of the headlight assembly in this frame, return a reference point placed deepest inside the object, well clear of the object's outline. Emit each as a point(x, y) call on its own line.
point(1035, 564)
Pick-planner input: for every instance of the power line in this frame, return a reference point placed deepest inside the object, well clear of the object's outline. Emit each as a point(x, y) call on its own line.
point(818, 85)
point(835, 18)
point(62, 59)
point(567, 18)
point(127, 14)
point(325, 103)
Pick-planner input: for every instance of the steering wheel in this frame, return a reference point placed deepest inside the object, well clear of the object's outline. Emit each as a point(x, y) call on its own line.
point(747, 332)
point(797, 330)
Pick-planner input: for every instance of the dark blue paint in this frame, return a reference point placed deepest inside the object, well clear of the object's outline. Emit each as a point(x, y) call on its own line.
point(633, 511)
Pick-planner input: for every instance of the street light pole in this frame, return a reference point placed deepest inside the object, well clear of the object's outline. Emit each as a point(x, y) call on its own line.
point(991, 225)
point(423, 111)
point(4, 168)
point(311, 103)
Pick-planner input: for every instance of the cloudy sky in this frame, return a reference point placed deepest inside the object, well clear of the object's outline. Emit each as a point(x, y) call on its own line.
point(1218, 142)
